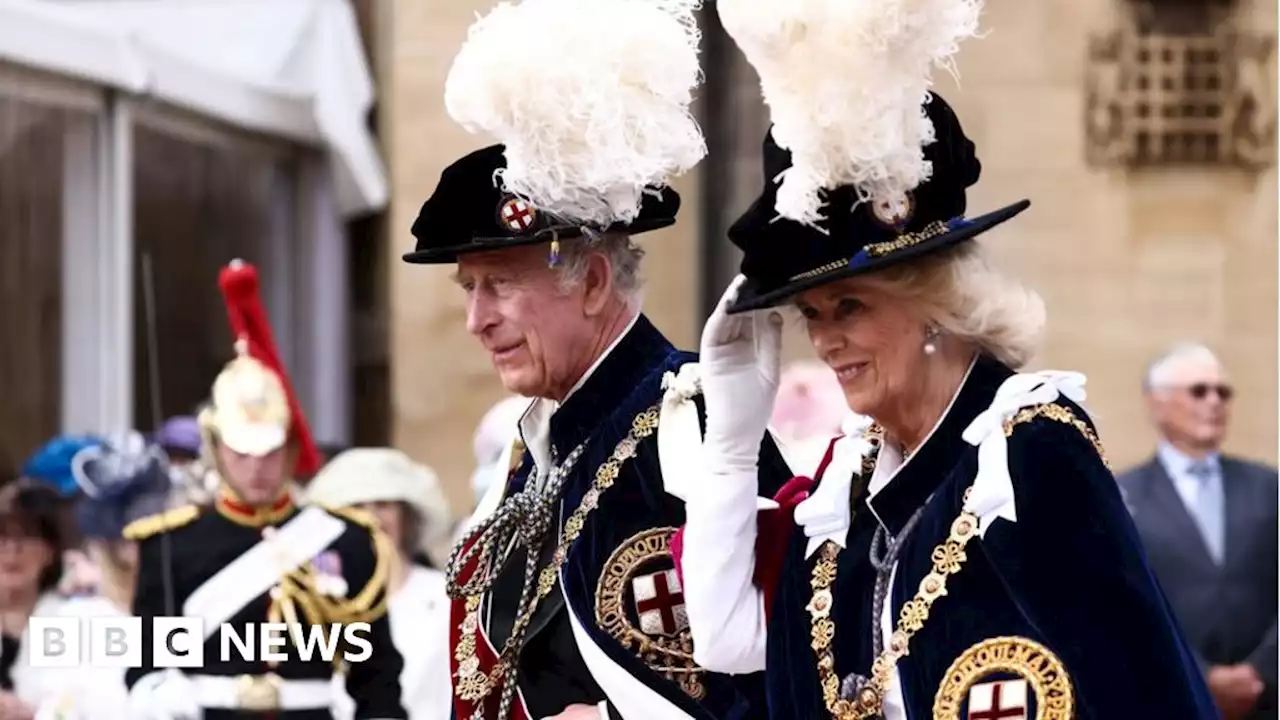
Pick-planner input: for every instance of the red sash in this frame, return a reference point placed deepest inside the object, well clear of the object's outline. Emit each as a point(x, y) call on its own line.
point(485, 654)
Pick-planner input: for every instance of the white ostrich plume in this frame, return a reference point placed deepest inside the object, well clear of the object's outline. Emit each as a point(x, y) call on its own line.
point(846, 81)
point(590, 97)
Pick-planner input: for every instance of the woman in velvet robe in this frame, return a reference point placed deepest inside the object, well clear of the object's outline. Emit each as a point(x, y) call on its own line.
point(966, 554)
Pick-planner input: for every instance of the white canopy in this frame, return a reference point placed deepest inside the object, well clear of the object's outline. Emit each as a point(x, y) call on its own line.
point(290, 68)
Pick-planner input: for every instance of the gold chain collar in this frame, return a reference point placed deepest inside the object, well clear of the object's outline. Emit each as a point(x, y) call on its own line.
point(948, 557)
point(473, 685)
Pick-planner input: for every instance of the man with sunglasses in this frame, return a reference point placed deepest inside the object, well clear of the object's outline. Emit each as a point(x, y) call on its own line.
point(1209, 523)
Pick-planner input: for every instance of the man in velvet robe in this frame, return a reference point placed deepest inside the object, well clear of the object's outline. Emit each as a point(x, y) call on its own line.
point(602, 453)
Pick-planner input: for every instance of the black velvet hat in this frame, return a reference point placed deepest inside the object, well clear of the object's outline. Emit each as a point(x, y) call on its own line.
point(783, 257)
point(469, 212)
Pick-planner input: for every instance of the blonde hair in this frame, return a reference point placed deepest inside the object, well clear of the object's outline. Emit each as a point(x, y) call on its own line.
point(965, 297)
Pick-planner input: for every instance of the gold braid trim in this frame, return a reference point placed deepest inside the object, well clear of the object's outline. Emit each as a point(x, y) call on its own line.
point(143, 528)
point(371, 602)
point(472, 685)
point(299, 590)
point(1057, 413)
point(363, 518)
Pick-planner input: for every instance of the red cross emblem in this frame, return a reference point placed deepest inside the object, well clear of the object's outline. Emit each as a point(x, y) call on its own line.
point(1001, 700)
point(517, 215)
point(660, 603)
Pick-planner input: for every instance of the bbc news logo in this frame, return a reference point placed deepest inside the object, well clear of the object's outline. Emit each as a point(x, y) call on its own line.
point(179, 642)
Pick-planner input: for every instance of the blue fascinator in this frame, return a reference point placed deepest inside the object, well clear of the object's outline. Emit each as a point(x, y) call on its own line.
point(123, 480)
point(51, 464)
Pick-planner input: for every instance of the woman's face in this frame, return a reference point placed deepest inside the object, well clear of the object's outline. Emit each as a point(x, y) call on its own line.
point(390, 517)
point(872, 340)
point(23, 557)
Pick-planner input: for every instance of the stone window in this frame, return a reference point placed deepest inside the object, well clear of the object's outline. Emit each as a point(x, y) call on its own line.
point(1179, 85)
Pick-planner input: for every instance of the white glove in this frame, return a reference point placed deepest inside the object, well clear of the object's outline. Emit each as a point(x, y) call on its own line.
point(739, 361)
point(170, 695)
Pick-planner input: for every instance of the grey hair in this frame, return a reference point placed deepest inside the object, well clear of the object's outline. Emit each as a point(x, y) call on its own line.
point(624, 257)
point(1160, 371)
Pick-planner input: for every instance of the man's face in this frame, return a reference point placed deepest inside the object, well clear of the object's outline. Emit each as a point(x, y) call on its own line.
point(1193, 407)
point(535, 332)
point(257, 479)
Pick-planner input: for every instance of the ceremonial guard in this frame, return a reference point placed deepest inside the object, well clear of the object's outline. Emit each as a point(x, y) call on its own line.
point(967, 553)
point(565, 600)
point(254, 556)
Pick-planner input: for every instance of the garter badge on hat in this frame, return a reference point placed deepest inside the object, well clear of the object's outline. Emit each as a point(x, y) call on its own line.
point(517, 215)
point(582, 148)
point(864, 165)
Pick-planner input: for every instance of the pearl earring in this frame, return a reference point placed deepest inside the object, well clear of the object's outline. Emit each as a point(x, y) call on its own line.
point(930, 343)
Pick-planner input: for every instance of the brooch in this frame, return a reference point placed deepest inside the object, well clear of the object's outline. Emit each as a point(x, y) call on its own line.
point(328, 569)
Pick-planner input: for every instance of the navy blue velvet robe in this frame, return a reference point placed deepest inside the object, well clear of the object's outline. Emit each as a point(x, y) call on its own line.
point(601, 413)
point(1070, 574)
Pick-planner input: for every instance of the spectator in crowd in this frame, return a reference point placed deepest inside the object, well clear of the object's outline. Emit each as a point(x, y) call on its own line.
point(494, 436)
point(179, 437)
point(121, 480)
point(808, 412)
point(33, 535)
point(1208, 521)
point(410, 508)
point(183, 444)
point(51, 466)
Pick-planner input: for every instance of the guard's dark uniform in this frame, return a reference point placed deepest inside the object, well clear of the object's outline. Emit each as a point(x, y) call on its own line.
point(202, 541)
point(229, 562)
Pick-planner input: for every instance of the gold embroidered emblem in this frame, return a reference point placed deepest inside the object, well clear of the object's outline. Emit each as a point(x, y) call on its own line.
point(640, 602)
point(973, 683)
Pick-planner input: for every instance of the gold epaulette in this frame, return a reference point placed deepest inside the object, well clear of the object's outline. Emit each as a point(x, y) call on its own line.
point(363, 518)
point(1058, 413)
point(143, 528)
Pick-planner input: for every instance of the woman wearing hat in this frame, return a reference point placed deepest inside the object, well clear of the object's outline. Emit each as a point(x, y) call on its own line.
point(405, 499)
point(120, 480)
point(967, 554)
point(51, 465)
point(33, 536)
